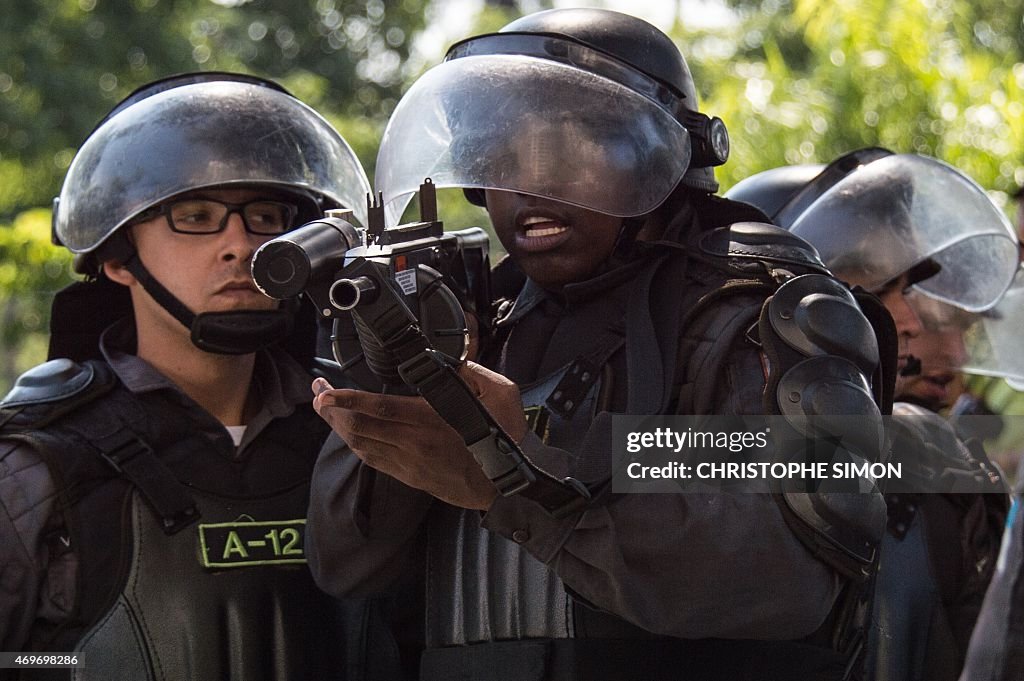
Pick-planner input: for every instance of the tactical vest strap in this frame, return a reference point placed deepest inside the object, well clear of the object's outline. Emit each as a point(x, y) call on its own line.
point(501, 459)
point(58, 388)
point(578, 379)
point(645, 356)
point(120, 446)
point(132, 457)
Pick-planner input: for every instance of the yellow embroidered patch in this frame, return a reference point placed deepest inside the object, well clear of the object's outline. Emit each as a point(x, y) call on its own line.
point(248, 543)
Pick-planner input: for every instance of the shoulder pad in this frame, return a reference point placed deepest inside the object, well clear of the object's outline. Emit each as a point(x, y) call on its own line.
point(816, 315)
point(761, 241)
point(53, 388)
point(916, 424)
point(51, 381)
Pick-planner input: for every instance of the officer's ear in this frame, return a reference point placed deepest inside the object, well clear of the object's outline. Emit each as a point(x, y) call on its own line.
point(117, 272)
point(118, 249)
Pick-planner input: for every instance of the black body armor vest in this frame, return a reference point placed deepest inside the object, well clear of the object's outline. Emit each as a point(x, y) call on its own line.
point(191, 562)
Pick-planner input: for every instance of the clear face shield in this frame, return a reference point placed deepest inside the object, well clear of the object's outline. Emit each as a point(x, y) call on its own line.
point(994, 344)
point(893, 214)
point(945, 329)
point(534, 126)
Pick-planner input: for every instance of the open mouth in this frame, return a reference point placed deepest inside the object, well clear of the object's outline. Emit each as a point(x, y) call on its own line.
point(540, 226)
point(541, 233)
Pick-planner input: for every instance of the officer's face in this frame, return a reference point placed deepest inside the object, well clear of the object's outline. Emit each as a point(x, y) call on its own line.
point(942, 353)
point(552, 242)
point(206, 272)
point(908, 325)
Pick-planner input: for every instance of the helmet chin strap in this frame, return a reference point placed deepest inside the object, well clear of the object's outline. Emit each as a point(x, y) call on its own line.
point(235, 332)
point(627, 237)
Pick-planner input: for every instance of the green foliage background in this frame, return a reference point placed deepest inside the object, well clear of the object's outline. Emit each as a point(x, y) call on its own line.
point(803, 81)
point(797, 81)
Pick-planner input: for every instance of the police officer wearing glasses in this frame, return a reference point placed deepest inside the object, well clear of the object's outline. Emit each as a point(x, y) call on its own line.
point(154, 478)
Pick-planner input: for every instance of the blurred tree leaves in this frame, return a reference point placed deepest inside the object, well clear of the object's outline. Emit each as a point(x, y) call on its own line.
point(31, 270)
point(800, 81)
point(64, 63)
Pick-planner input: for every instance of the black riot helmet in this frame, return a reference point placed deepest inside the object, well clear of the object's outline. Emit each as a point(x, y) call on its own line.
point(643, 47)
point(586, 106)
point(874, 215)
point(202, 131)
point(783, 193)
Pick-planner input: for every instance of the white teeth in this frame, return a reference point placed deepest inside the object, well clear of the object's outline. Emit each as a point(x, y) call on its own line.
point(545, 231)
point(553, 226)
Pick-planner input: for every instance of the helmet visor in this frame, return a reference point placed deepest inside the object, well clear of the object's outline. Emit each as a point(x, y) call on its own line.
point(533, 126)
point(993, 345)
point(197, 136)
point(891, 215)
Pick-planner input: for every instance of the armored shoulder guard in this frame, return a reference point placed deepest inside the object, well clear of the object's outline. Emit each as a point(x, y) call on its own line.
point(822, 347)
point(45, 392)
point(937, 458)
point(59, 387)
point(822, 352)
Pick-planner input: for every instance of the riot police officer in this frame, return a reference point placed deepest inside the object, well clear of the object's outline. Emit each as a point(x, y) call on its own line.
point(154, 497)
point(920, 235)
point(579, 131)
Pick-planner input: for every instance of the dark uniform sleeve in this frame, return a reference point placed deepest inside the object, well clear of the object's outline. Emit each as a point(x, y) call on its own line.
point(686, 565)
point(33, 588)
point(996, 651)
point(362, 525)
point(962, 530)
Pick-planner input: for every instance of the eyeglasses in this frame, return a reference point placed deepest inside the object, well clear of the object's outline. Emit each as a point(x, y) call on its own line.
point(209, 216)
